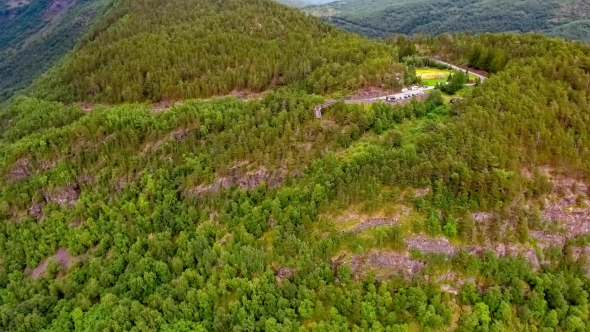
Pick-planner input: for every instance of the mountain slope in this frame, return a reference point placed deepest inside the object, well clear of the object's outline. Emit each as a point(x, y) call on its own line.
point(148, 50)
point(380, 18)
point(35, 34)
point(294, 3)
point(232, 215)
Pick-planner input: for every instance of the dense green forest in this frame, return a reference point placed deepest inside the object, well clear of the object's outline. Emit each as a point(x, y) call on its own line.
point(223, 215)
point(36, 34)
point(383, 18)
point(156, 51)
point(466, 210)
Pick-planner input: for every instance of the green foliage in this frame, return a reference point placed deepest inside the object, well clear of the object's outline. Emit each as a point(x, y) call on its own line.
point(383, 18)
point(26, 116)
point(450, 227)
point(433, 224)
point(455, 82)
point(36, 35)
point(210, 215)
point(344, 273)
point(145, 50)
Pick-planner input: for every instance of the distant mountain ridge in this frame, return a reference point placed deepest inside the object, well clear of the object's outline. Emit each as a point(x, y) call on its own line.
point(381, 18)
point(36, 33)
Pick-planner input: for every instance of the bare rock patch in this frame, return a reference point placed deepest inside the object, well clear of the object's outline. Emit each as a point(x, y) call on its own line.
point(20, 170)
point(36, 209)
point(62, 256)
point(246, 181)
point(421, 192)
point(482, 217)
point(64, 196)
point(568, 205)
point(385, 264)
point(428, 245)
point(546, 239)
point(374, 222)
point(285, 273)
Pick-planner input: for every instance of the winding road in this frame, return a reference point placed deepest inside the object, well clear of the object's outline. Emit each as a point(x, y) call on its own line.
point(398, 96)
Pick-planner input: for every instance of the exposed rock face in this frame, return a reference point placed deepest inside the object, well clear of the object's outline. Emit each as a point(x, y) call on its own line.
point(546, 239)
point(421, 192)
point(482, 217)
point(57, 6)
point(246, 181)
point(64, 196)
point(369, 221)
point(438, 245)
point(387, 262)
point(62, 256)
point(566, 211)
point(374, 222)
point(503, 250)
point(575, 219)
point(36, 209)
point(507, 250)
point(285, 273)
point(20, 170)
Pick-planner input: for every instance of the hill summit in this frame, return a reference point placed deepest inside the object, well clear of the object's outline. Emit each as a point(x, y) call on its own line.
point(148, 50)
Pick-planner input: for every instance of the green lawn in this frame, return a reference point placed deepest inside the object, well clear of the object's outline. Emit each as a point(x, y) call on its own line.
point(431, 76)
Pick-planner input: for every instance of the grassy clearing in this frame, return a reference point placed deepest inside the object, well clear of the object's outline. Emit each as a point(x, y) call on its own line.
point(431, 76)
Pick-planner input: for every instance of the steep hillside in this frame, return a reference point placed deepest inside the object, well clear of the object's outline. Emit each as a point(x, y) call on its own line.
point(468, 212)
point(148, 50)
point(35, 34)
point(232, 215)
point(381, 18)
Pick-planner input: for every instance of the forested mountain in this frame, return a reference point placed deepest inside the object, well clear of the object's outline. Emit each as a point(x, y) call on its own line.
point(382, 18)
point(230, 215)
point(35, 34)
point(469, 213)
point(149, 50)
